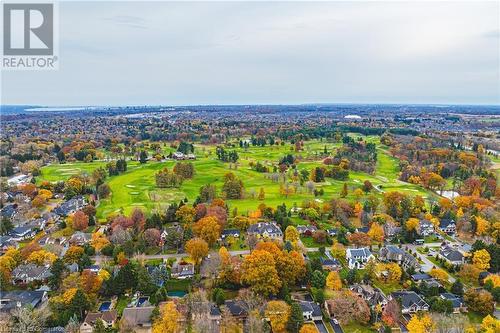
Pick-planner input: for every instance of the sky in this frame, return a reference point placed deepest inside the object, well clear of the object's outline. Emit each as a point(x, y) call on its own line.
point(190, 53)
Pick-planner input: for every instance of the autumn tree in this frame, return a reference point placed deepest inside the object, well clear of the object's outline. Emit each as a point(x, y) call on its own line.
point(197, 249)
point(185, 214)
point(291, 234)
point(168, 320)
point(241, 222)
point(348, 307)
point(481, 259)
point(99, 241)
point(359, 239)
point(308, 328)
point(333, 281)
point(439, 274)
point(479, 300)
point(421, 324)
point(278, 313)
point(73, 254)
point(338, 250)
point(259, 271)
point(41, 257)
point(80, 220)
point(376, 233)
point(208, 228)
point(152, 236)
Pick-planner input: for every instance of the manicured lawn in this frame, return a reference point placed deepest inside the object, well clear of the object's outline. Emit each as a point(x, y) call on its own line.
point(357, 328)
point(122, 304)
point(308, 241)
point(387, 287)
point(178, 285)
point(137, 187)
point(474, 317)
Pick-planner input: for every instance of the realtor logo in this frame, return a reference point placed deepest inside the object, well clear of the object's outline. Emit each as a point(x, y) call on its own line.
point(30, 32)
point(28, 29)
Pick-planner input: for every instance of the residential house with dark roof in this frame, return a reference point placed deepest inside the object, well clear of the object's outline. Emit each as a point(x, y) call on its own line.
point(363, 229)
point(332, 232)
point(392, 253)
point(182, 271)
point(310, 311)
point(448, 226)
point(138, 317)
point(27, 273)
point(330, 264)
point(11, 300)
point(265, 230)
point(108, 318)
point(373, 296)
point(410, 301)
point(237, 308)
point(230, 233)
point(457, 302)
point(309, 229)
point(451, 255)
point(71, 206)
point(22, 233)
point(357, 258)
point(391, 230)
point(9, 211)
point(6, 242)
point(80, 238)
point(425, 228)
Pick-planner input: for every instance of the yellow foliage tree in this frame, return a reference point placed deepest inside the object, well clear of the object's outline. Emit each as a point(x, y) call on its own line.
point(412, 224)
point(73, 254)
point(208, 228)
point(490, 325)
point(338, 250)
point(197, 249)
point(482, 226)
point(481, 259)
point(259, 271)
point(278, 313)
point(41, 257)
point(168, 321)
point(494, 278)
point(333, 281)
point(422, 324)
point(439, 274)
point(291, 234)
point(376, 232)
point(99, 241)
point(308, 328)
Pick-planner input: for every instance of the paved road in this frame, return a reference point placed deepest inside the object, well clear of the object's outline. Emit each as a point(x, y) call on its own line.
point(427, 265)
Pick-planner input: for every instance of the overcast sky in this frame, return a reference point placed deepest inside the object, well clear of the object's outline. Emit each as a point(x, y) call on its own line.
point(133, 53)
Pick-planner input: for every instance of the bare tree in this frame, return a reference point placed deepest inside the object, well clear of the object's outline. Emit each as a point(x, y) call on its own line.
point(29, 320)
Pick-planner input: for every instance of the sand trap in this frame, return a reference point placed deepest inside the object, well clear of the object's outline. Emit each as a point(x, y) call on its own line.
point(130, 186)
point(134, 193)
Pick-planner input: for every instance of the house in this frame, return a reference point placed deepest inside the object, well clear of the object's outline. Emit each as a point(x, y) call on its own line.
point(448, 226)
point(138, 317)
point(22, 233)
point(182, 271)
point(71, 206)
point(391, 230)
point(373, 296)
point(237, 308)
point(265, 230)
point(357, 258)
point(332, 232)
point(108, 318)
point(456, 301)
point(330, 264)
point(11, 300)
point(158, 274)
point(424, 277)
point(178, 156)
point(425, 228)
point(80, 238)
point(30, 273)
point(410, 301)
point(392, 253)
point(309, 229)
point(19, 180)
point(176, 228)
point(310, 311)
point(364, 229)
point(452, 256)
point(9, 211)
point(230, 233)
point(6, 242)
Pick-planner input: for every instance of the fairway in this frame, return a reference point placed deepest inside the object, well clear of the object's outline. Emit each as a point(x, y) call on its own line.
point(137, 187)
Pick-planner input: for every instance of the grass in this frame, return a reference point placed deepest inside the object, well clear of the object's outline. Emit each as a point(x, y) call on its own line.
point(387, 287)
point(178, 285)
point(122, 304)
point(137, 188)
point(354, 327)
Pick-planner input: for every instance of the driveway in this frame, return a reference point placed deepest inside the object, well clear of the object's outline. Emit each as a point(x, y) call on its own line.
point(336, 327)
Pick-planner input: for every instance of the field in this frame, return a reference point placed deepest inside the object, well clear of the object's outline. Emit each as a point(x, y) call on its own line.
point(136, 187)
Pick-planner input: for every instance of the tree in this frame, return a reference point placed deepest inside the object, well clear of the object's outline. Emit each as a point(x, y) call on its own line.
point(80, 220)
point(208, 229)
point(359, 239)
point(184, 169)
point(479, 300)
point(421, 324)
point(333, 281)
point(99, 326)
point(168, 321)
point(338, 250)
point(348, 307)
point(481, 259)
point(262, 194)
point(99, 241)
point(143, 157)
point(79, 304)
point(296, 318)
point(490, 324)
point(391, 313)
point(259, 271)
point(376, 232)
point(73, 254)
point(469, 273)
point(291, 234)
point(152, 236)
point(26, 319)
point(308, 328)
point(412, 224)
point(41, 257)
point(344, 191)
point(185, 214)
point(197, 249)
point(318, 279)
point(241, 222)
point(208, 192)
point(278, 313)
point(57, 269)
point(439, 274)
point(457, 288)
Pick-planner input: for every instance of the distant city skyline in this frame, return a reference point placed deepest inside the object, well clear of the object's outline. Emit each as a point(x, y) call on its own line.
point(242, 53)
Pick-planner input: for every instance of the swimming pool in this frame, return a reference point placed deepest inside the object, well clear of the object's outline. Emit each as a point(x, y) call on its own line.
point(105, 306)
point(179, 294)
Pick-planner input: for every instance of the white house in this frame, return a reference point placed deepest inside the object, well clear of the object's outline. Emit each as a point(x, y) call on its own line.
point(357, 258)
